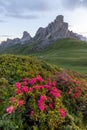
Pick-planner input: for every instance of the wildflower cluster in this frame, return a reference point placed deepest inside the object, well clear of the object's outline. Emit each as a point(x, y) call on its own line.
point(70, 86)
point(38, 100)
point(74, 91)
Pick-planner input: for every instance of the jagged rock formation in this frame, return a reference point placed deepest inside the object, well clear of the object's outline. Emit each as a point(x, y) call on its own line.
point(10, 42)
point(25, 38)
point(54, 31)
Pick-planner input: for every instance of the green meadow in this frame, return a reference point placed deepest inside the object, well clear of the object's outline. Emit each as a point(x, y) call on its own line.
point(67, 53)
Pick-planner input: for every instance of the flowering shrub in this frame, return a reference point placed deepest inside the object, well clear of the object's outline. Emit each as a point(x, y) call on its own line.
point(74, 92)
point(39, 103)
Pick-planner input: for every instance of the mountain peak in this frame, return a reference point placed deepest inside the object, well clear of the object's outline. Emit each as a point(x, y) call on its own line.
point(57, 29)
point(26, 34)
point(59, 18)
point(26, 37)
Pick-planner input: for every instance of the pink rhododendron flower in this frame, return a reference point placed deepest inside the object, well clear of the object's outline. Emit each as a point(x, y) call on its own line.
point(18, 85)
point(9, 110)
point(32, 81)
point(24, 82)
point(56, 95)
point(62, 112)
point(54, 83)
point(77, 95)
point(25, 89)
point(36, 87)
point(13, 100)
point(41, 103)
point(47, 87)
point(43, 98)
point(18, 91)
point(40, 79)
point(20, 102)
point(86, 95)
point(55, 92)
point(41, 87)
point(49, 82)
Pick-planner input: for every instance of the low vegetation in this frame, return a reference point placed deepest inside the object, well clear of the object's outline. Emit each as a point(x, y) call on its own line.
point(67, 53)
point(35, 95)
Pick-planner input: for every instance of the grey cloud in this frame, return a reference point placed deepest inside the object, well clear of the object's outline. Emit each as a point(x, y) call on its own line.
point(2, 21)
point(15, 8)
point(6, 35)
point(22, 16)
point(73, 4)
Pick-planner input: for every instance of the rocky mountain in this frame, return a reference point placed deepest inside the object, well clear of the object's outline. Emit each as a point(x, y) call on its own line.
point(26, 38)
point(83, 38)
point(9, 42)
point(55, 30)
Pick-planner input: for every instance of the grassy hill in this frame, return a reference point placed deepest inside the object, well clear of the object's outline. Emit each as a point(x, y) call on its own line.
point(67, 53)
point(14, 68)
point(69, 107)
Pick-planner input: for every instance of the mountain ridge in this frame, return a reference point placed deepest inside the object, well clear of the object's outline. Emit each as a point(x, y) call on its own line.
point(55, 30)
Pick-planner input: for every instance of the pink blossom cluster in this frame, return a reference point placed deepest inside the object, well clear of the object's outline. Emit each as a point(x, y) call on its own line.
point(75, 92)
point(10, 109)
point(34, 80)
point(19, 103)
point(45, 102)
point(70, 85)
point(41, 103)
point(55, 92)
point(62, 112)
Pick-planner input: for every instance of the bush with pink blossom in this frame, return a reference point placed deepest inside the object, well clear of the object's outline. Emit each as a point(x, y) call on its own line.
point(39, 102)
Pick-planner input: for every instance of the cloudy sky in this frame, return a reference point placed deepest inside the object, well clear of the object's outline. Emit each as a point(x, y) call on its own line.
point(17, 16)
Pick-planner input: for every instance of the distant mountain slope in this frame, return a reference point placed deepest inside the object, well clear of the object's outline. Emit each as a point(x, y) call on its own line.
point(68, 53)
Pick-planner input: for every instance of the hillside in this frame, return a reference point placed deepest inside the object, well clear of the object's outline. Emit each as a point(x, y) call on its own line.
point(67, 90)
point(14, 68)
point(67, 53)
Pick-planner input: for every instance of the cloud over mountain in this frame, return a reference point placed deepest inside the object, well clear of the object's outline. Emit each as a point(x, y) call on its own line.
point(73, 4)
point(22, 9)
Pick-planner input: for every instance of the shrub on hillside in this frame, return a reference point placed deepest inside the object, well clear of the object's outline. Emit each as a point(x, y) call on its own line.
point(37, 104)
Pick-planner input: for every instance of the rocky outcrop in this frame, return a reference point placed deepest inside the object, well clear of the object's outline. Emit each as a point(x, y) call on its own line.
point(55, 30)
point(25, 38)
point(10, 42)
